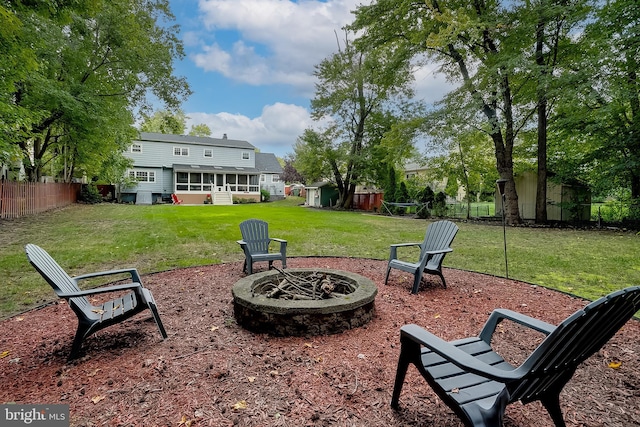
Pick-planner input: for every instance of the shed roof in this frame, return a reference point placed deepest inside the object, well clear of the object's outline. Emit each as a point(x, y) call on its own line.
point(198, 140)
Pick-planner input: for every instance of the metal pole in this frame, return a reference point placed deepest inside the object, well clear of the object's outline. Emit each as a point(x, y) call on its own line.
point(501, 183)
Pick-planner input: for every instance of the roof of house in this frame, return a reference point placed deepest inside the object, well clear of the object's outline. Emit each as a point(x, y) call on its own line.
point(198, 140)
point(320, 184)
point(267, 162)
point(214, 169)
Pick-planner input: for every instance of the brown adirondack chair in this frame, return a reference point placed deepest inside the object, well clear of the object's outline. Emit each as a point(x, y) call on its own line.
point(256, 244)
point(92, 318)
point(434, 247)
point(477, 383)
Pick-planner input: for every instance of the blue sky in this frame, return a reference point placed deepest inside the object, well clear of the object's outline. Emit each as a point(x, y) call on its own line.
point(250, 65)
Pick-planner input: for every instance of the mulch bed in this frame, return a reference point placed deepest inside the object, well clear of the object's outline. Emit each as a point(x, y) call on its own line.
point(211, 372)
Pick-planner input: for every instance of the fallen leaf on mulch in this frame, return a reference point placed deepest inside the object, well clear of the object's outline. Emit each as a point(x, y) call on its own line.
point(240, 405)
point(615, 364)
point(96, 399)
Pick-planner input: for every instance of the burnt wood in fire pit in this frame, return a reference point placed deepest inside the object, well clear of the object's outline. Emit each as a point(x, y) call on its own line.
point(295, 304)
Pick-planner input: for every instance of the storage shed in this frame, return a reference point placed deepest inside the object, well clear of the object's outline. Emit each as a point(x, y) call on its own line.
point(565, 202)
point(322, 194)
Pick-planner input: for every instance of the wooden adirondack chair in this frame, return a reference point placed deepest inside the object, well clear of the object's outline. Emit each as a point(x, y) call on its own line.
point(93, 318)
point(255, 244)
point(477, 383)
point(433, 248)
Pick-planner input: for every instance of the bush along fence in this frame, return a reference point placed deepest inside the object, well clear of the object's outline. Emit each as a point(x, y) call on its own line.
point(18, 199)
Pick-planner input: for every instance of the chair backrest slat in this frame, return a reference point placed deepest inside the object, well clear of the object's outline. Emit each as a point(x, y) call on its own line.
point(255, 233)
point(55, 275)
point(439, 235)
point(573, 341)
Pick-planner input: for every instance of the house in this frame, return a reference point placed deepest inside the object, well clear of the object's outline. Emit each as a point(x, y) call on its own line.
point(270, 170)
point(416, 171)
point(565, 202)
point(196, 169)
point(321, 194)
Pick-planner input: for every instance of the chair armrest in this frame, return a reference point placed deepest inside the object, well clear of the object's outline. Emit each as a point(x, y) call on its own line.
point(135, 277)
point(278, 240)
point(394, 249)
point(456, 356)
point(241, 242)
point(103, 290)
point(439, 251)
point(499, 315)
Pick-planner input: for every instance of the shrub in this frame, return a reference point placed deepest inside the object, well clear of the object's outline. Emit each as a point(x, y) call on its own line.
point(89, 194)
point(265, 195)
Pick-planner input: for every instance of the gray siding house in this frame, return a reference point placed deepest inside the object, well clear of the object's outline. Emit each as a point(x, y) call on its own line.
point(270, 171)
point(196, 169)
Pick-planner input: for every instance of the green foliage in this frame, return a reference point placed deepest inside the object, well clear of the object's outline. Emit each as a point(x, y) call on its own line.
point(426, 197)
point(200, 129)
point(439, 204)
point(89, 194)
point(167, 122)
point(265, 195)
point(82, 69)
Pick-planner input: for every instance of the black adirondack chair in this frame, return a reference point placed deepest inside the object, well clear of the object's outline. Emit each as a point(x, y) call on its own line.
point(477, 383)
point(256, 242)
point(93, 318)
point(434, 247)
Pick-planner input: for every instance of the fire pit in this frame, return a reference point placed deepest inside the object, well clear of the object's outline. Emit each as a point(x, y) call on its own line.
point(303, 301)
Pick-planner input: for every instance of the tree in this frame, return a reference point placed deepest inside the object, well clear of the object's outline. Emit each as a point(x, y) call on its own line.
point(96, 63)
point(290, 174)
point(166, 122)
point(200, 129)
point(360, 94)
point(483, 46)
point(598, 137)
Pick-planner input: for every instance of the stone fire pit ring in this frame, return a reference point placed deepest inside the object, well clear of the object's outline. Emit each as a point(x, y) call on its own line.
point(258, 313)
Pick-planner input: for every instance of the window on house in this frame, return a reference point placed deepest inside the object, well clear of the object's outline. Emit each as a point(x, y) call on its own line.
point(143, 176)
point(275, 178)
point(208, 152)
point(180, 151)
point(263, 178)
point(245, 155)
point(136, 148)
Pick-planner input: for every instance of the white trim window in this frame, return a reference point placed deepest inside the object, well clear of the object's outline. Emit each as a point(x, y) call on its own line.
point(142, 175)
point(275, 178)
point(246, 155)
point(181, 151)
point(136, 148)
point(208, 152)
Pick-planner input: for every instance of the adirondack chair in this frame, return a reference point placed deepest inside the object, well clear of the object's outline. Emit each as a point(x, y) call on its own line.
point(477, 383)
point(94, 318)
point(175, 200)
point(433, 248)
point(255, 244)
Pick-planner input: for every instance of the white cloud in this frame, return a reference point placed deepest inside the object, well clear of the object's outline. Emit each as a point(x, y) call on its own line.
point(274, 131)
point(279, 41)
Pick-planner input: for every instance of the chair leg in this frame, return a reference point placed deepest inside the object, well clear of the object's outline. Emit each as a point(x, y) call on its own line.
point(77, 343)
point(552, 405)
point(244, 266)
point(401, 372)
point(386, 279)
point(270, 265)
point(156, 317)
point(444, 284)
point(284, 263)
point(416, 282)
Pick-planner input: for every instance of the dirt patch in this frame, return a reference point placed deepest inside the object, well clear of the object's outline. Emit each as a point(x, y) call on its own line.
point(211, 372)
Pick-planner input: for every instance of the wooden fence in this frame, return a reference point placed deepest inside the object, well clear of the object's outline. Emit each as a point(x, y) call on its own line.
point(18, 199)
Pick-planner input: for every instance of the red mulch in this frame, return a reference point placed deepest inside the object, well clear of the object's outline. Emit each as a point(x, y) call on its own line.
point(211, 372)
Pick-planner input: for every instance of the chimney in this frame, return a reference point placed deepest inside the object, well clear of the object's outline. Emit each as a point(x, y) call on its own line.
point(224, 136)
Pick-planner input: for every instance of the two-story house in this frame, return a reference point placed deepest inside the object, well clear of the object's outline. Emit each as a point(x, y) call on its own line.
point(196, 169)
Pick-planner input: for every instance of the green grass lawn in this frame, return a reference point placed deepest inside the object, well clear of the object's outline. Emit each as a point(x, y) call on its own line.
point(84, 238)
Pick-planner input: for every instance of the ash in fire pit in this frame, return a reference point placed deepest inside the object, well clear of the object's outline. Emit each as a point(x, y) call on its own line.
point(302, 301)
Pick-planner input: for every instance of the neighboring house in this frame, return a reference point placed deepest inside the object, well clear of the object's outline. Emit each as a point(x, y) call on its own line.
point(270, 170)
point(565, 202)
point(194, 168)
point(414, 170)
point(321, 194)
